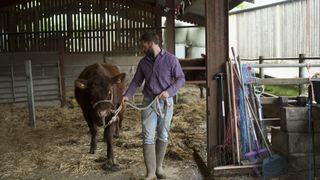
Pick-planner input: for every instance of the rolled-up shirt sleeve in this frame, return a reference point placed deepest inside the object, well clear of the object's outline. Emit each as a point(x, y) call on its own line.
point(178, 76)
point(136, 81)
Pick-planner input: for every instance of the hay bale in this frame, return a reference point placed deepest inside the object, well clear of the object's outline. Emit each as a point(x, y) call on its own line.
point(196, 37)
point(196, 51)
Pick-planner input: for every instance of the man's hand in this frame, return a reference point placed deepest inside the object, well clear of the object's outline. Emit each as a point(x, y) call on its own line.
point(164, 95)
point(124, 99)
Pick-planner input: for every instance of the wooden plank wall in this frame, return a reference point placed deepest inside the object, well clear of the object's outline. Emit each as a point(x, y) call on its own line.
point(112, 27)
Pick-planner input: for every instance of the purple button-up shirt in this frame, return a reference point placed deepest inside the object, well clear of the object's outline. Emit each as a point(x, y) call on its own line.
point(163, 73)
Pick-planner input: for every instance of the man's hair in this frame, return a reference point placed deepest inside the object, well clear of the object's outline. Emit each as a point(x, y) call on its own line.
point(150, 36)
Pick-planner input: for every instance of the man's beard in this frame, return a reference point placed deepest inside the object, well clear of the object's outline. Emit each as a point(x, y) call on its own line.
point(150, 53)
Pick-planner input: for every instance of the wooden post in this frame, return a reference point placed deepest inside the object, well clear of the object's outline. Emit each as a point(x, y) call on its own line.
point(103, 28)
point(217, 55)
point(261, 70)
point(61, 70)
point(170, 31)
point(301, 72)
point(69, 32)
point(29, 81)
point(12, 28)
point(158, 28)
point(158, 23)
point(13, 83)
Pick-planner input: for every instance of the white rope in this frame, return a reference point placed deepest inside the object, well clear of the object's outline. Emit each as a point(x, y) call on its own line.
point(156, 107)
point(114, 117)
point(101, 101)
point(104, 100)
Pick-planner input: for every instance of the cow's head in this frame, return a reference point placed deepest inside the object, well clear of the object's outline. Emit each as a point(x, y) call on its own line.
point(102, 92)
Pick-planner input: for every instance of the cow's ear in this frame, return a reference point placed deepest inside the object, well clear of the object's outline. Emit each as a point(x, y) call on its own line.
point(81, 83)
point(119, 78)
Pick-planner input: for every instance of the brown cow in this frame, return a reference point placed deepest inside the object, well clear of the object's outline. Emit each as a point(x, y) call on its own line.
point(98, 91)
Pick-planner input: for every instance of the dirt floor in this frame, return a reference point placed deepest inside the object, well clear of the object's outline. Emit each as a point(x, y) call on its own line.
point(58, 147)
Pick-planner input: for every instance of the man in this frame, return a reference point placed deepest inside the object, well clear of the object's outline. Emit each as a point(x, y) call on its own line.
point(163, 77)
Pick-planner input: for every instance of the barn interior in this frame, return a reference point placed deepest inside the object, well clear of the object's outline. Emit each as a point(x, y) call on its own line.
point(44, 45)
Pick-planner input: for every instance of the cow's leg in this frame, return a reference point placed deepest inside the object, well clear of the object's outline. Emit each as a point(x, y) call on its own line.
point(116, 134)
point(118, 125)
point(108, 135)
point(93, 131)
point(201, 92)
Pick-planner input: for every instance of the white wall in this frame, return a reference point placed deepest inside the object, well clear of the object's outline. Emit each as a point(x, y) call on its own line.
point(281, 30)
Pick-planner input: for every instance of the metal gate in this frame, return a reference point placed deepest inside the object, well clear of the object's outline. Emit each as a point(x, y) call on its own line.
point(46, 84)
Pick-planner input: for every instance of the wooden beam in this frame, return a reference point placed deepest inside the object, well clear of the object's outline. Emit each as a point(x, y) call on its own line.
point(269, 100)
point(4, 3)
point(170, 31)
point(233, 171)
point(271, 122)
point(196, 82)
point(158, 27)
point(151, 7)
point(30, 94)
point(62, 81)
point(280, 81)
point(217, 54)
point(194, 68)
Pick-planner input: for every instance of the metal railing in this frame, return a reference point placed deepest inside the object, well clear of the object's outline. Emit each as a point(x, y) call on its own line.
point(46, 83)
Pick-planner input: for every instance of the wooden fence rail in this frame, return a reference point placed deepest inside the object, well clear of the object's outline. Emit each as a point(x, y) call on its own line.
point(302, 59)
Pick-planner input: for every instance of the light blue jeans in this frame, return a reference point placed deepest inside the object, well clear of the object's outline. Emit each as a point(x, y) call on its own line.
point(152, 123)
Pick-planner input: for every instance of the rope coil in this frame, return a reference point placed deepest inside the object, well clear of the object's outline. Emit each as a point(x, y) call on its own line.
point(157, 108)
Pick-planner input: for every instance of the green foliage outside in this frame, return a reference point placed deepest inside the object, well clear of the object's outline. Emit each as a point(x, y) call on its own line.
point(243, 5)
point(283, 90)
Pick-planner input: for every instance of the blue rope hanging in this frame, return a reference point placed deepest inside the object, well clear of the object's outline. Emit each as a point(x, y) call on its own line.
point(243, 122)
point(244, 133)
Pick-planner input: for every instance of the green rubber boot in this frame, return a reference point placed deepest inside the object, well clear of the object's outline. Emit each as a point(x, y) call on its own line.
point(161, 148)
point(150, 161)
